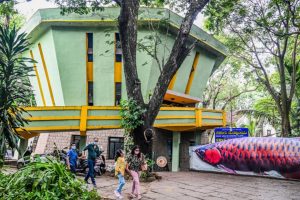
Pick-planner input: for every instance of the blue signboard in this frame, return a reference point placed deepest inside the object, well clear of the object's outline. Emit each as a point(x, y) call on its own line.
point(230, 133)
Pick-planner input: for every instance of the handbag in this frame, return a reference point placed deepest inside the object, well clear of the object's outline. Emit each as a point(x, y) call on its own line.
point(144, 167)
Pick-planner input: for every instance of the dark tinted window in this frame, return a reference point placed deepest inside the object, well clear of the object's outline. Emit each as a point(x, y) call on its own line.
point(118, 93)
point(90, 93)
point(114, 143)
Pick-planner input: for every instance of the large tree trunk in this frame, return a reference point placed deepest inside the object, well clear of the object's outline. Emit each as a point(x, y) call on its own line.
point(286, 129)
point(180, 50)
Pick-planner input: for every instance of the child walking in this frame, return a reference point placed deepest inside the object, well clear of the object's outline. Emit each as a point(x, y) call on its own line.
point(120, 167)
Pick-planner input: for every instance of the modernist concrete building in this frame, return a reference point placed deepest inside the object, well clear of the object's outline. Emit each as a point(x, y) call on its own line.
point(79, 82)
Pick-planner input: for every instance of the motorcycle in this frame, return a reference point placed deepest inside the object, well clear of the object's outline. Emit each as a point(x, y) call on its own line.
point(99, 168)
point(25, 159)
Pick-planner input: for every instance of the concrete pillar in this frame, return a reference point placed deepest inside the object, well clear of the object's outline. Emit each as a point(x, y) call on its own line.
point(201, 137)
point(82, 142)
point(198, 137)
point(23, 144)
point(175, 151)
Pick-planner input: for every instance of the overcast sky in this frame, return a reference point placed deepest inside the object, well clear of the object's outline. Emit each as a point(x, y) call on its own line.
point(29, 8)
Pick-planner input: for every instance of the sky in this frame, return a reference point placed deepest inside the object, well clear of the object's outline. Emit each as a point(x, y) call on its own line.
point(29, 8)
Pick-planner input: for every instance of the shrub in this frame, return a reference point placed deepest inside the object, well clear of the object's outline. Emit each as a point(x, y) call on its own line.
point(44, 180)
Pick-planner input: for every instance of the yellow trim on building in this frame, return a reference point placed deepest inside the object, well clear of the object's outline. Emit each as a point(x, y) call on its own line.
point(198, 113)
point(104, 107)
point(103, 117)
point(50, 128)
point(46, 74)
point(27, 135)
point(212, 124)
point(192, 73)
point(172, 83)
point(38, 79)
point(224, 118)
point(173, 125)
point(175, 117)
point(46, 108)
point(53, 118)
point(118, 72)
point(177, 108)
point(90, 71)
point(180, 98)
point(103, 127)
point(83, 120)
point(211, 110)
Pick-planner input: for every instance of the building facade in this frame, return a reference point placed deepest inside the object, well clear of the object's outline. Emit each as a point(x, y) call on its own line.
point(78, 81)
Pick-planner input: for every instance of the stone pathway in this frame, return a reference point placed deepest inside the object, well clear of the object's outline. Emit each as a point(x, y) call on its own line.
point(207, 186)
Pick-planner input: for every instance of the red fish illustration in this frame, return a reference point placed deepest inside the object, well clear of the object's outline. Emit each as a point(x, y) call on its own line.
point(257, 155)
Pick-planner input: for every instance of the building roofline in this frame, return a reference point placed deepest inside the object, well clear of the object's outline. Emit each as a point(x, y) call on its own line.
point(42, 19)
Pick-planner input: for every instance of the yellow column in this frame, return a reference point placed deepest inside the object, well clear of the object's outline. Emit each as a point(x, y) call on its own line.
point(198, 113)
point(46, 73)
point(83, 120)
point(192, 74)
point(38, 80)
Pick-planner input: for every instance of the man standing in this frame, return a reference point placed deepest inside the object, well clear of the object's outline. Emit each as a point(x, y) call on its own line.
point(93, 153)
point(72, 158)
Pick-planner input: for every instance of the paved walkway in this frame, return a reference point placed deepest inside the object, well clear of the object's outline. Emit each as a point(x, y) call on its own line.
point(207, 186)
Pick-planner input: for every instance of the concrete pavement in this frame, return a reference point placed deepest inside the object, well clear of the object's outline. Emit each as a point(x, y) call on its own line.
point(207, 186)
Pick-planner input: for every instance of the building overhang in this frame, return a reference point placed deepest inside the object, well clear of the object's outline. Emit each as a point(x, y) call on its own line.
point(180, 98)
point(86, 118)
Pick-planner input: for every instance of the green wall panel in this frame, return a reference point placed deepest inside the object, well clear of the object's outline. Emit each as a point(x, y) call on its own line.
point(183, 73)
point(144, 64)
point(47, 45)
point(176, 112)
point(40, 69)
point(217, 114)
point(104, 112)
point(175, 121)
point(103, 122)
point(104, 91)
point(212, 121)
point(54, 123)
point(70, 46)
point(203, 72)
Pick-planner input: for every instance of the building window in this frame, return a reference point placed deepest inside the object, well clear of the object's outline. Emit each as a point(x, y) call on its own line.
point(75, 139)
point(90, 47)
point(114, 143)
point(118, 89)
point(118, 69)
point(268, 132)
point(90, 93)
point(192, 143)
point(118, 53)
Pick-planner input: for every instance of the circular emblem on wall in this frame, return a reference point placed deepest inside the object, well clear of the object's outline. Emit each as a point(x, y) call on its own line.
point(161, 161)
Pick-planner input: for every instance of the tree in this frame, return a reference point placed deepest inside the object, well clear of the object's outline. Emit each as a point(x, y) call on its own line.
point(226, 85)
point(15, 90)
point(8, 14)
point(127, 24)
point(265, 35)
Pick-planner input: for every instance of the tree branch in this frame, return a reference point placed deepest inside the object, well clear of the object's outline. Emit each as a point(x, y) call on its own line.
point(178, 54)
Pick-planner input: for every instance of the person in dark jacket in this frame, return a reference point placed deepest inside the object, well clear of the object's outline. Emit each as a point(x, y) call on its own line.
point(93, 153)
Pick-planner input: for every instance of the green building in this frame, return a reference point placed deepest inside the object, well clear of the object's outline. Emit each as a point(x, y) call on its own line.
point(79, 82)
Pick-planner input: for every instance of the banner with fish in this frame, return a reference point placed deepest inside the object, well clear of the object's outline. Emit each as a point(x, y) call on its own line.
point(276, 157)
